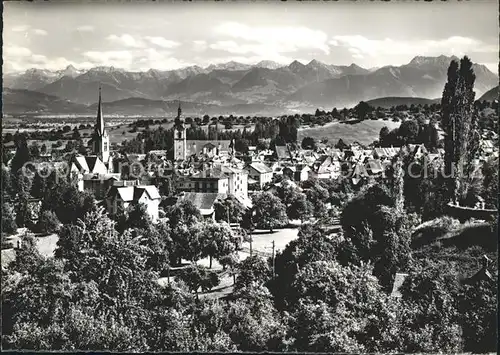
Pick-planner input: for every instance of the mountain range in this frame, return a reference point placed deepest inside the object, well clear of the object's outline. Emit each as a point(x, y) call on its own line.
point(266, 86)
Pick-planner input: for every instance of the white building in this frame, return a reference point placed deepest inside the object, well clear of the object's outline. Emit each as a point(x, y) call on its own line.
point(120, 198)
point(84, 165)
point(261, 173)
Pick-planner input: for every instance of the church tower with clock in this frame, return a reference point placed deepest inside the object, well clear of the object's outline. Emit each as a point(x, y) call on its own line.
point(179, 137)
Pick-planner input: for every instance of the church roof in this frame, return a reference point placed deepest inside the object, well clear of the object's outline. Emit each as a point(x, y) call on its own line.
point(89, 164)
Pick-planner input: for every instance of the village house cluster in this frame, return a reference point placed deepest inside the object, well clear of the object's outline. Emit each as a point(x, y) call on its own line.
point(207, 171)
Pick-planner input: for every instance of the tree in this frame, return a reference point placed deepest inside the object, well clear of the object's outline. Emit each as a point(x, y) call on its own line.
point(338, 309)
point(341, 145)
point(195, 276)
point(22, 187)
point(190, 241)
point(6, 183)
point(317, 196)
point(360, 223)
point(313, 244)
point(35, 151)
point(477, 307)
point(428, 298)
point(392, 251)
point(269, 211)
point(300, 208)
point(76, 134)
point(230, 262)
point(48, 222)
point(218, 240)
point(183, 212)
point(252, 271)
point(252, 322)
point(9, 225)
point(460, 126)
point(138, 217)
point(167, 186)
point(67, 202)
point(490, 183)
point(22, 153)
point(157, 242)
point(384, 132)
point(362, 109)
point(408, 131)
point(229, 208)
point(308, 143)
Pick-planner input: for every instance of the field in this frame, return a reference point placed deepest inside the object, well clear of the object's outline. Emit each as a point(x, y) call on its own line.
point(364, 132)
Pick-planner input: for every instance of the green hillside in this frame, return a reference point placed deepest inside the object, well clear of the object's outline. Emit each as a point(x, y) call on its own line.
point(388, 102)
point(364, 132)
point(491, 95)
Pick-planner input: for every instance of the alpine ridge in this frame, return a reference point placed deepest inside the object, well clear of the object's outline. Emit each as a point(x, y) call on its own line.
point(296, 86)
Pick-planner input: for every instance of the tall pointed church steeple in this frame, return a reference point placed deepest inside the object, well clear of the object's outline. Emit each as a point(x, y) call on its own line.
point(179, 111)
point(100, 139)
point(99, 127)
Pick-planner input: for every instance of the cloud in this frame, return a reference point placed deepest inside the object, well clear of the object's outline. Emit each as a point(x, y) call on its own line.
point(203, 61)
point(129, 41)
point(200, 45)
point(16, 52)
point(269, 41)
point(159, 59)
point(20, 28)
point(384, 48)
point(119, 59)
point(126, 40)
point(40, 32)
point(19, 59)
point(135, 60)
point(162, 42)
point(85, 28)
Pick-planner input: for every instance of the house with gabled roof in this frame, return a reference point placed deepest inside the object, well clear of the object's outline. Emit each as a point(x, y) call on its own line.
point(261, 173)
point(415, 150)
point(297, 172)
point(326, 167)
point(210, 180)
point(283, 152)
point(83, 165)
point(374, 167)
point(120, 198)
point(384, 153)
point(99, 184)
point(204, 202)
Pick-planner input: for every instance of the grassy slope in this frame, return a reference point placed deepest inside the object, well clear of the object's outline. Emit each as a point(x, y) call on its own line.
point(364, 132)
point(388, 102)
point(463, 245)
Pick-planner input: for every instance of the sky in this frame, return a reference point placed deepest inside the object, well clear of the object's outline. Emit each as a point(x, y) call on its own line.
point(169, 35)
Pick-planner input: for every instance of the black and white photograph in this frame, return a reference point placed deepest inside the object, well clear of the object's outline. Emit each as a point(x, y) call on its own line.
point(250, 176)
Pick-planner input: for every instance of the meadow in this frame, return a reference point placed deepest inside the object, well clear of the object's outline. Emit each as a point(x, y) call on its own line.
point(364, 132)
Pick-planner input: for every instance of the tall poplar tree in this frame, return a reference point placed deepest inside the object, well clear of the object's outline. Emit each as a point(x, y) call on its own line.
point(459, 121)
